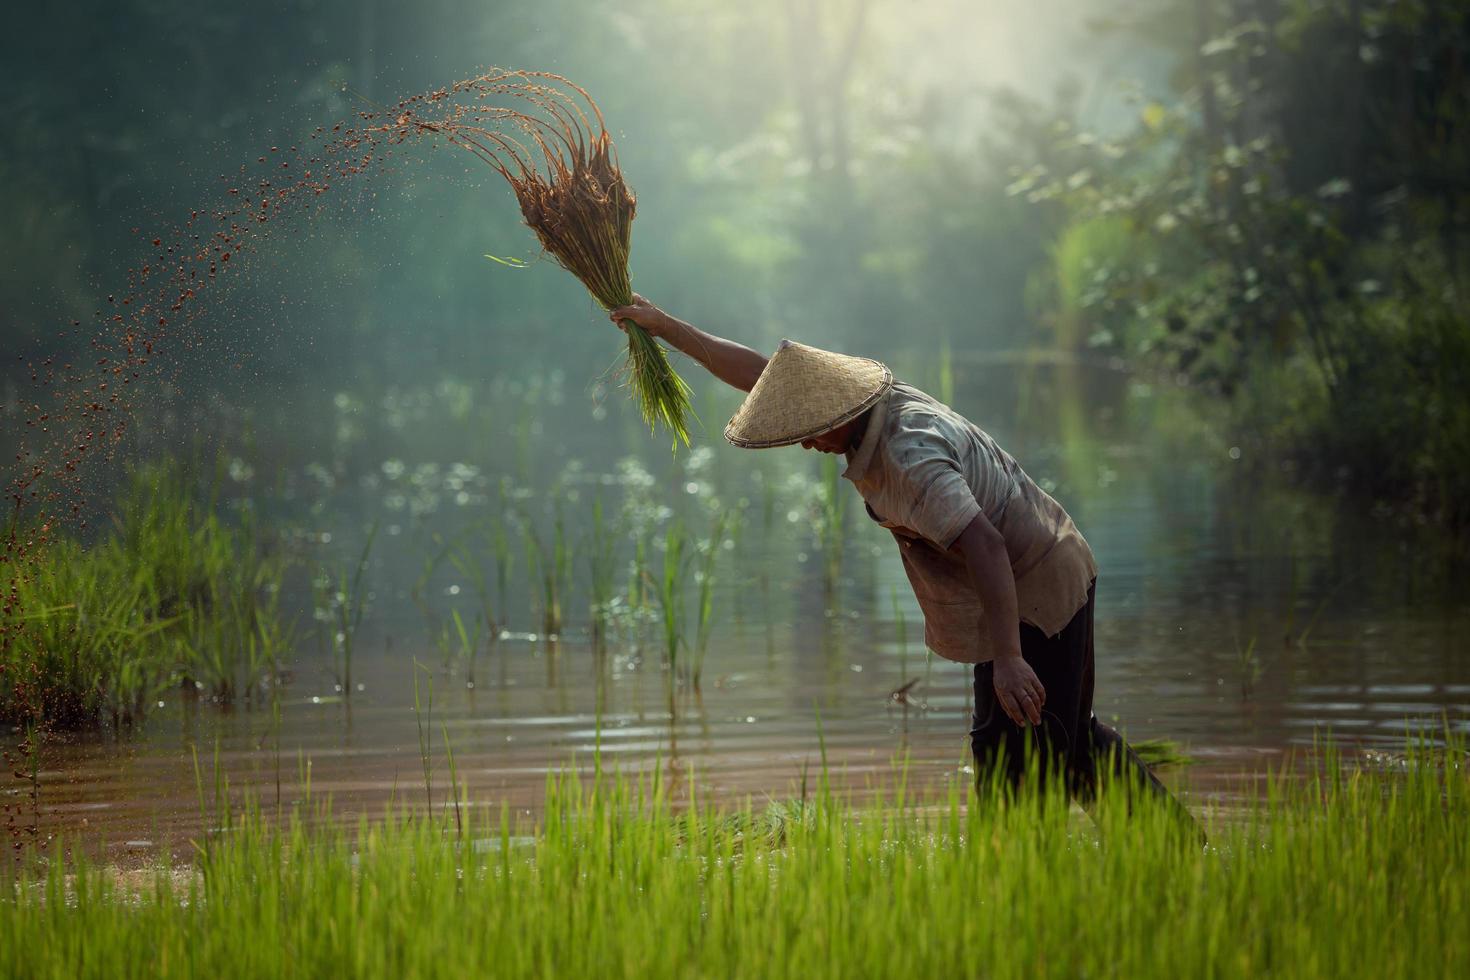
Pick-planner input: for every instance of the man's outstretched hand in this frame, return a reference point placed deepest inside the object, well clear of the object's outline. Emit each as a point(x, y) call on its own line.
point(653, 320)
point(1018, 690)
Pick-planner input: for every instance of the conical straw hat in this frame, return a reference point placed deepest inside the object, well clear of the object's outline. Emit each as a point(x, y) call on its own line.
point(804, 392)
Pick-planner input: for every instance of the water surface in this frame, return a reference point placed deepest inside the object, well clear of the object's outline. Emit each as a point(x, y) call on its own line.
point(1235, 615)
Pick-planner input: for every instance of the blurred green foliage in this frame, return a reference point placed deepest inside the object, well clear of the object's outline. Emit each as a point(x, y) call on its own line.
point(795, 174)
point(1287, 233)
point(1272, 210)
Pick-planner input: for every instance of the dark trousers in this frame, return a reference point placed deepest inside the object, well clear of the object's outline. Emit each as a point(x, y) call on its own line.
point(1070, 742)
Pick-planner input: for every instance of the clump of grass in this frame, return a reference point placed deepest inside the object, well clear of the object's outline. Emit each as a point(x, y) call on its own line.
point(902, 693)
point(468, 644)
point(466, 560)
point(1342, 873)
point(602, 570)
point(562, 166)
point(498, 539)
point(455, 788)
point(231, 645)
point(443, 637)
point(832, 519)
point(423, 714)
point(1161, 753)
point(418, 592)
point(638, 577)
point(465, 555)
point(1250, 667)
point(704, 574)
point(170, 594)
point(671, 604)
point(340, 601)
point(550, 559)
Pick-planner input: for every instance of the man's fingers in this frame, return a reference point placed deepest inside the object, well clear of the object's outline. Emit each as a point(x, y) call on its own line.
point(1033, 709)
point(1036, 697)
point(1010, 703)
point(1023, 706)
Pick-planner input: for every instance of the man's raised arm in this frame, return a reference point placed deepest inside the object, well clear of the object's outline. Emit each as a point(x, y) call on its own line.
point(735, 364)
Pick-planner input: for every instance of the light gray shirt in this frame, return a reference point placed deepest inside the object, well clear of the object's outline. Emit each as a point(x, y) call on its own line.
point(925, 472)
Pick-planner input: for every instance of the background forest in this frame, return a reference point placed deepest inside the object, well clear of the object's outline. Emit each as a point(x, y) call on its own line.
point(1259, 206)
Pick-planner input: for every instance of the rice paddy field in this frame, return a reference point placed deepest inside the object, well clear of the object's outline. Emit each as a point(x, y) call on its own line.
point(576, 722)
point(370, 606)
point(1342, 871)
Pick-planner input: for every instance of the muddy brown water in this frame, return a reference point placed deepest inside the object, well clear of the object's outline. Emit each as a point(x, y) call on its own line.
point(1238, 618)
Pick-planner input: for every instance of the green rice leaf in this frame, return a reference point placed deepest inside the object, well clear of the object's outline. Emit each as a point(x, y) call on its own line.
point(509, 260)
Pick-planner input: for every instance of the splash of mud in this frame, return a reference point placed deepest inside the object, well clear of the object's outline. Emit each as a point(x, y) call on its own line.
point(78, 411)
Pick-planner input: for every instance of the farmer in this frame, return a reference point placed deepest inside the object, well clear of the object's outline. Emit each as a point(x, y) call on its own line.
point(1002, 574)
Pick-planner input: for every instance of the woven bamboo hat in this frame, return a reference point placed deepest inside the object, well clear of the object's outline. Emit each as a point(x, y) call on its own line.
point(804, 392)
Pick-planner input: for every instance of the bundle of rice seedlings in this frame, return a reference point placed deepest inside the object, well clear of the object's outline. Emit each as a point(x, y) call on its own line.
point(561, 163)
